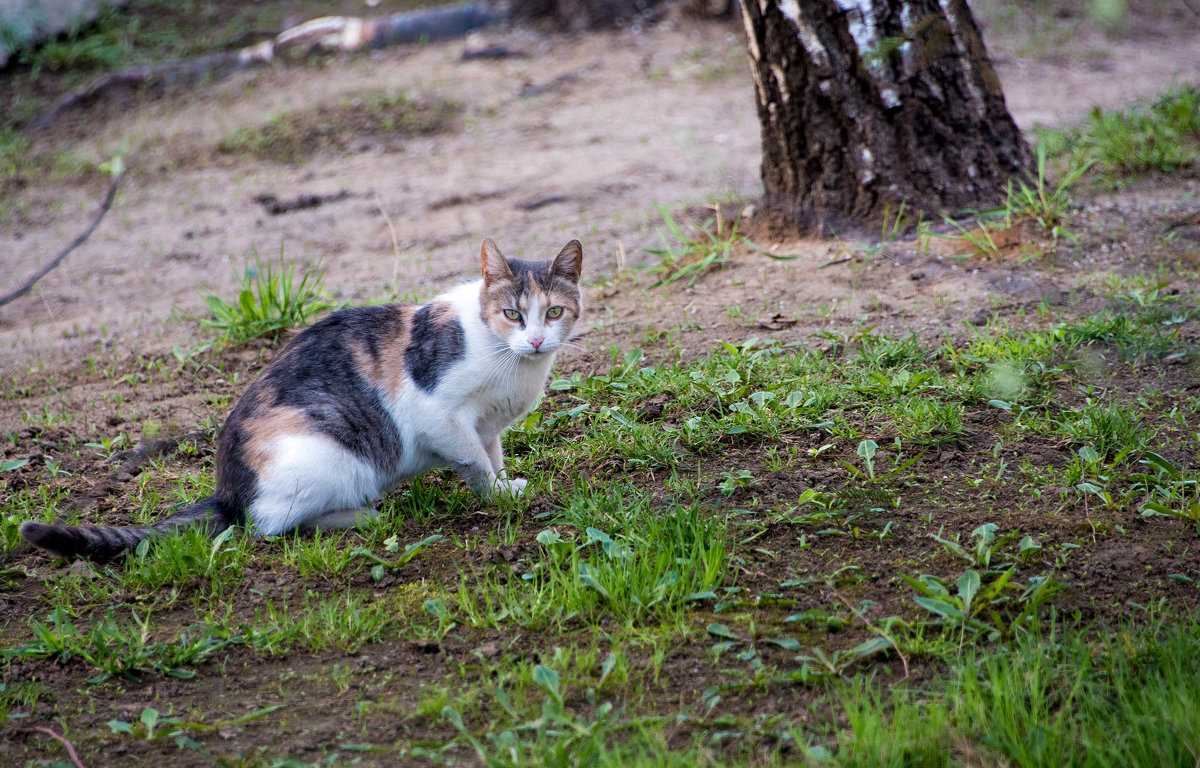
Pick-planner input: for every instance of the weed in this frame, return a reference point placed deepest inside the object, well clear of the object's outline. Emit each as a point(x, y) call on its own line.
point(118, 649)
point(867, 450)
point(986, 545)
point(154, 726)
point(1041, 203)
point(711, 248)
point(185, 559)
point(1174, 493)
point(1160, 136)
point(392, 544)
point(649, 567)
point(557, 735)
point(322, 555)
point(344, 622)
point(975, 600)
point(270, 301)
point(1109, 429)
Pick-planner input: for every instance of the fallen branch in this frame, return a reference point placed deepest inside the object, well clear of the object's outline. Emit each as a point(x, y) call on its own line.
point(28, 285)
point(66, 744)
point(339, 33)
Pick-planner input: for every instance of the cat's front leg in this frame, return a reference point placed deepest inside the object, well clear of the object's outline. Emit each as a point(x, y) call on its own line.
point(462, 449)
point(516, 485)
point(496, 455)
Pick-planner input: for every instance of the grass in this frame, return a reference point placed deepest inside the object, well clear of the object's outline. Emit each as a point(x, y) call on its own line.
point(140, 32)
point(797, 557)
point(639, 567)
point(1161, 135)
point(270, 301)
point(711, 247)
point(292, 137)
point(1035, 203)
point(1087, 701)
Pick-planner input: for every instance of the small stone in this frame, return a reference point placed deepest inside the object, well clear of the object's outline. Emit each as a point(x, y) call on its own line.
point(83, 569)
point(490, 651)
point(918, 275)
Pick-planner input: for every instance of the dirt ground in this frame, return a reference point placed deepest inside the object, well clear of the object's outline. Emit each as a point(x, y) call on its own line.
point(580, 137)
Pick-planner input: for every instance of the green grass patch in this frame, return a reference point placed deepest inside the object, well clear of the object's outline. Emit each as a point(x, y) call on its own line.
point(293, 137)
point(1080, 700)
point(630, 561)
point(270, 300)
point(878, 552)
point(115, 647)
point(1158, 136)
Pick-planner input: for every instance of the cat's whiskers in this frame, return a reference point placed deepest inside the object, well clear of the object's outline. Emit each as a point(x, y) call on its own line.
point(572, 345)
point(502, 361)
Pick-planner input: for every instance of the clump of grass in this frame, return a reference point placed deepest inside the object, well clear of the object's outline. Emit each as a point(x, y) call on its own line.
point(1161, 136)
point(1032, 201)
point(118, 648)
point(1174, 491)
point(345, 622)
point(711, 247)
point(639, 568)
point(270, 301)
point(185, 559)
point(1109, 429)
point(293, 137)
point(14, 146)
point(1041, 202)
point(1046, 701)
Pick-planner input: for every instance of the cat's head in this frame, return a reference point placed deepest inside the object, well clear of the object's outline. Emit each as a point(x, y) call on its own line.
point(531, 305)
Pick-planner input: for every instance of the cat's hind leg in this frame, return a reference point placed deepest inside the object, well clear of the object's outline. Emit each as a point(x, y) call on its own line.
point(307, 478)
point(340, 518)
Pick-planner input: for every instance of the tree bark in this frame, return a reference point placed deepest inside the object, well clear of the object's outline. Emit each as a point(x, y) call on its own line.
point(868, 105)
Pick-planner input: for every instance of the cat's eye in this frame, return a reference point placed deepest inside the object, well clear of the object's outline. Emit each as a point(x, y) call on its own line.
point(554, 313)
point(512, 314)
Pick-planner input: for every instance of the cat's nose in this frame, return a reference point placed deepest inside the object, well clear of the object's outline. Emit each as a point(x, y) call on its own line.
point(536, 342)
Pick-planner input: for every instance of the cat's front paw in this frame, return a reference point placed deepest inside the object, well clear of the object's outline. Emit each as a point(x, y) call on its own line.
point(512, 488)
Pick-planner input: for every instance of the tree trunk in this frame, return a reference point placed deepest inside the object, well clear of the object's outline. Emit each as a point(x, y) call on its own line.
point(868, 105)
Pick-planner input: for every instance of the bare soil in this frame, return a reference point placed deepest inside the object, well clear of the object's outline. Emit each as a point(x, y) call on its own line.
point(579, 137)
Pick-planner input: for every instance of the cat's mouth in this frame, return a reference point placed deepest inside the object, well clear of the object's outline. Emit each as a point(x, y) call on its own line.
point(541, 351)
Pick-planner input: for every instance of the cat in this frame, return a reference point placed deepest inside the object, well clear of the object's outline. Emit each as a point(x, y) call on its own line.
point(370, 396)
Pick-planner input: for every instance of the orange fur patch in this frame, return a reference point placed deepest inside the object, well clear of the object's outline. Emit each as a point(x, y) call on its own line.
point(264, 429)
point(442, 312)
point(386, 371)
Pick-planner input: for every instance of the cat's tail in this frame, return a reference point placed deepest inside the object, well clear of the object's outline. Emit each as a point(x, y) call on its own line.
point(104, 542)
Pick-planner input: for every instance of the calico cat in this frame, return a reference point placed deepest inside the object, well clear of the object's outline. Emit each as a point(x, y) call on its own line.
point(370, 396)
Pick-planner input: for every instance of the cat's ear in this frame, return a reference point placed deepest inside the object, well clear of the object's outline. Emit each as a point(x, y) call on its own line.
point(493, 265)
point(569, 262)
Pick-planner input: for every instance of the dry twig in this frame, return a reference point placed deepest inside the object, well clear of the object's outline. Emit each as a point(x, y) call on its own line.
point(28, 285)
point(66, 744)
